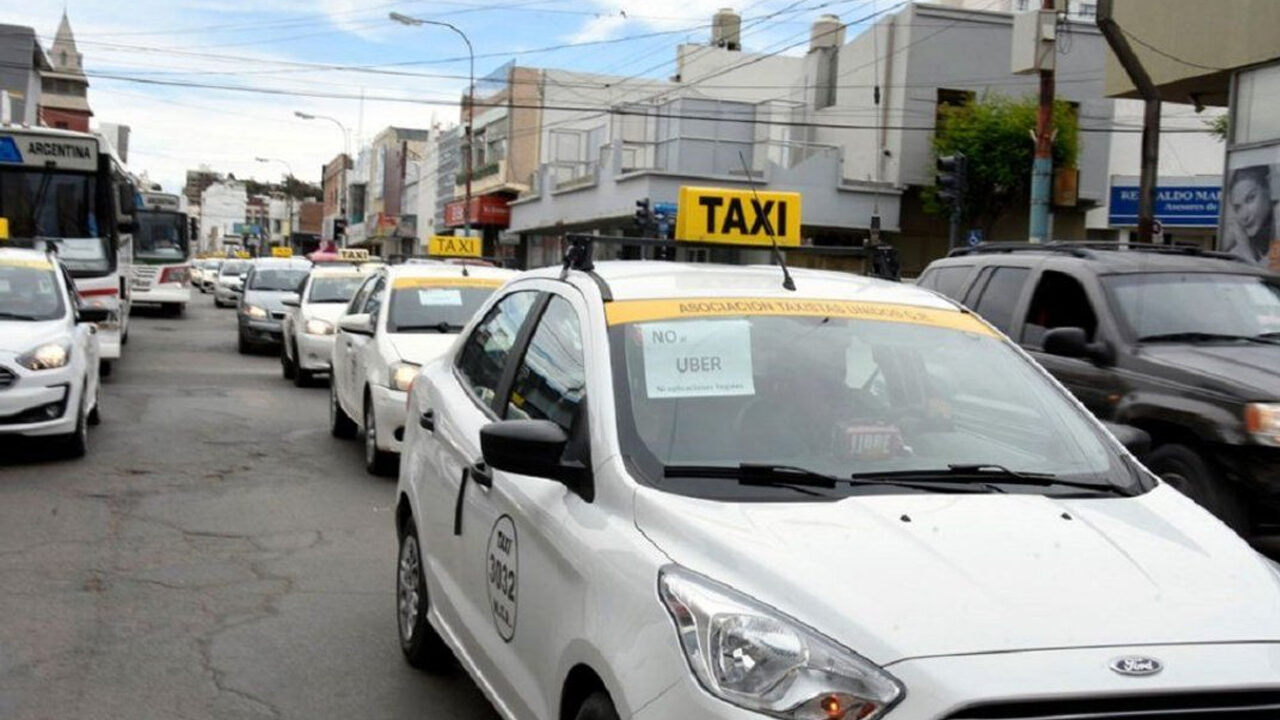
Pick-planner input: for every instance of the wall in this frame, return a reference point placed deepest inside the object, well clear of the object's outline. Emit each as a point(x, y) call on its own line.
point(69, 120)
point(18, 71)
point(222, 204)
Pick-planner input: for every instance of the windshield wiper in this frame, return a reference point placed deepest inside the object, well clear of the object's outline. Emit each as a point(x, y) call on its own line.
point(39, 201)
point(18, 316)
point(1194, 337)
point(791, 476)
point(440, 327)
point(991, 473)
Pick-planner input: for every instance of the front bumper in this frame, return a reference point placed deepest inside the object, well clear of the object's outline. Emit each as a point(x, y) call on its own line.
point(261, 331)
point(1041, 683)
point(40, 403)
point(315, 352)
point(166, 293)
point(390, 413)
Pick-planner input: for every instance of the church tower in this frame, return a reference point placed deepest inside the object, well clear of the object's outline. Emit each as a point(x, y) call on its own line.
point(64, 101)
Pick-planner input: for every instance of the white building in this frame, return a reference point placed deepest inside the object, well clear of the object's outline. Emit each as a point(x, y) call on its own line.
point(223, 208)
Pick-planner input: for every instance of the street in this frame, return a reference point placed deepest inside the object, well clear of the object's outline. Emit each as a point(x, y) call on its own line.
point(216, 555)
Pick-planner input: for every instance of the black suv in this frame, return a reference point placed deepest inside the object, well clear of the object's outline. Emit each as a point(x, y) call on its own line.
point(1181, 343)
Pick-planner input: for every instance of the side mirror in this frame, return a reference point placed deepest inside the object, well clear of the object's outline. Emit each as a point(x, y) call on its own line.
point(1073, 342)
point(291, 302)
point(358, 324)
point(529, 447)
point(1135, 440)
point(91, 314)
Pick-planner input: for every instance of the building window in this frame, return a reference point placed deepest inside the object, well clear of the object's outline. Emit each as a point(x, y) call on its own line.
point(61, 125)
point(948, 98)
point(1087, 10)
point(63, 58)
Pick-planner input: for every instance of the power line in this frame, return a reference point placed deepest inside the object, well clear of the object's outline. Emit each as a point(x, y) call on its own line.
point(1168, 55)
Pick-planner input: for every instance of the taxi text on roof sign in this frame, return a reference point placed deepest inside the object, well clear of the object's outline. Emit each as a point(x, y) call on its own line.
point(282, 252)
point(738, 217)
point(353, 254)
point(454, 246)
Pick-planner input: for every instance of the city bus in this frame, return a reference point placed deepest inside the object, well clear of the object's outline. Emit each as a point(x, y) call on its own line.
point(67, 191)
point(161, 253)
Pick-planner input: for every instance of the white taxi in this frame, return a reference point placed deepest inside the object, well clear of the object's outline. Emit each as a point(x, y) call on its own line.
point(309, 322)
point(49, 384)
point(402, 317)
point(664, 491)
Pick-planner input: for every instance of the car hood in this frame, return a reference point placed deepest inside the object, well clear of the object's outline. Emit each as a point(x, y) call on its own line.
point(19, 336)
point(324, 311)
point(268, 299)
point(907, 576)
point(1251, 370)
point(421, 347)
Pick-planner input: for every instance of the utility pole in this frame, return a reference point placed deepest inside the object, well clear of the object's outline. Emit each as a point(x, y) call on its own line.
point(1042, 169)
point(1114, 34)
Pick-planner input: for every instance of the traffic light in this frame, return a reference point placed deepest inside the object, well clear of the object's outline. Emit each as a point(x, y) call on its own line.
point(953, 178)
point(644, 216)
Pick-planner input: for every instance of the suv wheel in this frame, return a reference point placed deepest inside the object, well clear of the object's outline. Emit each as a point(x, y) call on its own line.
point(421, 645)
point(1192, 475)
point(377, 462)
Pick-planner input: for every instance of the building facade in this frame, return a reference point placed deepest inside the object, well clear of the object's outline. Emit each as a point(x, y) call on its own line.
point(375, 195)
point(223, 210)
point(22, 61)
point(334, 184)
point(64, 96)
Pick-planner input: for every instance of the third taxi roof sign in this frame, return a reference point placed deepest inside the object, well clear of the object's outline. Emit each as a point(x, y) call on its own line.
point(738, 217)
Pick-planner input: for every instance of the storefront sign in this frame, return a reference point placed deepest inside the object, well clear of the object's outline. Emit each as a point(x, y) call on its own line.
point(486, 210)
point(1176, 205)
point(739, 217)
point(41, 150)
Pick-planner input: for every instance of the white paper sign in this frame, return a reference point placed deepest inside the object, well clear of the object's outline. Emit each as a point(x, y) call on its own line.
point(440, 297)
point(697, 358)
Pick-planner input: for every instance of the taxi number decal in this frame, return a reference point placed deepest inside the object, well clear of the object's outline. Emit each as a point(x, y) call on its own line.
point(632, 311)
point(698, 358)
point(33, 264)
point(426, 282)
point(503, 571)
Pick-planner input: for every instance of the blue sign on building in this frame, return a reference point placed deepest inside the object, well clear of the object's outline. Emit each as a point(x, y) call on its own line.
point(1176, 205)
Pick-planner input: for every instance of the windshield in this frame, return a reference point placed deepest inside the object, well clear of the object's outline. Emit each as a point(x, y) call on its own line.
point(334, 288)
point(841, 394)
point(85, 256)
point(441, 304)
point(29, 290)
point(235, 267)
point(49, 204)
point(161, 236)
point(277, 279)
point(1172, 304)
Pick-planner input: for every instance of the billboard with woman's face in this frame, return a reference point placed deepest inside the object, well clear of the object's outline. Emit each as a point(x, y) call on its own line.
point(1249, 217)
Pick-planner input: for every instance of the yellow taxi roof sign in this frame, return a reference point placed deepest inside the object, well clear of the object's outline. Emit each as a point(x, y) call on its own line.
point(282, 252)
point(738, 217)
point(353, 254)
point(454, 246)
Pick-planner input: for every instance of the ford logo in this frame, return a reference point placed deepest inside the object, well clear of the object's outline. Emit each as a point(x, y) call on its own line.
point(1136, 665)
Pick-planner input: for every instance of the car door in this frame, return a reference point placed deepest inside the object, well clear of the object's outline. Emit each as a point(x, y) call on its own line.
point(364, 349)
point(293, 321)
point(85, 334)
point(461, 398)
point(525, 567)
point(343, 345)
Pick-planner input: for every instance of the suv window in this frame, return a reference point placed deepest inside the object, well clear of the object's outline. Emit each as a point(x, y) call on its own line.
point(947, 280)
point(551, 380)
point(1001, 295)
point(485, 353)
point(1059, 301)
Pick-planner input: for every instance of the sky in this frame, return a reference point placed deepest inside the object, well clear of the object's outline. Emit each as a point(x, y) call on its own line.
point(143, 55)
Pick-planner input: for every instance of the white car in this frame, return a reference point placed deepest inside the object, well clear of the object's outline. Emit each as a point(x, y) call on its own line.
point(228, 284)
point(310, 322)
point(49, 384)
point(401, 317)
point(667, 491)
point(204, 273)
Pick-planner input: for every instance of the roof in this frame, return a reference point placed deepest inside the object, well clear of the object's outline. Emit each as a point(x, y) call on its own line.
point(337, 269)
point(430, 270)
point(17, 253)
point(651, 279)
point(1106, 262)
point(281, 262)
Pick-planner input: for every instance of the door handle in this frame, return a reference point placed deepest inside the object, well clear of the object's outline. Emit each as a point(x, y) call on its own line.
point(428, 420)
point(482, 475)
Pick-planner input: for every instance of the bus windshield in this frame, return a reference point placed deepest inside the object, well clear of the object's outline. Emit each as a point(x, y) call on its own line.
point(161, 236)
point(40, 203)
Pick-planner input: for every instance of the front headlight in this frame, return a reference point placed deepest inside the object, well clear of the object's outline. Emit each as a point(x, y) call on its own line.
point(402, 375)
point(255, 312)
point(49, 356)
point(751, 655)
point(1262, 420)
point(316, 326)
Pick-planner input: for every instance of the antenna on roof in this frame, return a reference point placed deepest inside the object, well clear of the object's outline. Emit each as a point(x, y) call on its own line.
point(787, 282)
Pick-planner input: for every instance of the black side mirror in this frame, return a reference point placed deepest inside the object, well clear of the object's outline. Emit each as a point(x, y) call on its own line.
point(92, 314)
point(1135, 440)
point(530, 447)
point(1073, 342)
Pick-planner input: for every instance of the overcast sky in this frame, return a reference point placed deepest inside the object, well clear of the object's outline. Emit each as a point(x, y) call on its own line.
point(276, 45)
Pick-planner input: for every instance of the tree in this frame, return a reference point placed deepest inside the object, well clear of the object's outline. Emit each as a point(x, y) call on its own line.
point(1218, 127)
point(995, 134)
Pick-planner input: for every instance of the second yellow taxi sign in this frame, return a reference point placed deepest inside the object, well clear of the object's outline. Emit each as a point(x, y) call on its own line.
point(738, 217)
point(454, 246)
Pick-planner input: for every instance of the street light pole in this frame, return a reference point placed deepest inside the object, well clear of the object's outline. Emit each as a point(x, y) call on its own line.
point(287, 195)
point(346, 155)
point(471, 106)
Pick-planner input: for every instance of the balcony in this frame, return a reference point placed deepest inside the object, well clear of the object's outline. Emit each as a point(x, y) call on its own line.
point(487, 178)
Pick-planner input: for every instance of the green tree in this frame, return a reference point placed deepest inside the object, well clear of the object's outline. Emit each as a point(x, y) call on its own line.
point(995, 134)
point(1218, 127)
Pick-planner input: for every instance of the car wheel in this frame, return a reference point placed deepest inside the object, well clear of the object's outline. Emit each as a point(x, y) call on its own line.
point(76, 443)
point(597, 706)
point(377, 462)
point(173, 309)
point(242, 344)
point(1190, 473)
point(104, 368)
point(340, 424)
point(287, 368)
point(95, 415)
point(421, 645)
point(302, 378)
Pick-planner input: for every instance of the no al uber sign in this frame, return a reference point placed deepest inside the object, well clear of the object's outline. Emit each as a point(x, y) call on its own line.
point(738, 217)
point(454, 246)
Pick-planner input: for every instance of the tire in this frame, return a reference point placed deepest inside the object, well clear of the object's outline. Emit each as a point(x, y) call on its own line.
point(421, 645)
point(597, 706)
point(76, 443)
point(104, 368)
point(303, 378)
point(1190, 473)
point(377, 462)
point(174, 309)
point(340, 424)
point(242, 345)
point(95, 415)
point(288, 368)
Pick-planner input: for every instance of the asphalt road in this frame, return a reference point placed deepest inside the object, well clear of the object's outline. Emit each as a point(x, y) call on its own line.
point(216, 555)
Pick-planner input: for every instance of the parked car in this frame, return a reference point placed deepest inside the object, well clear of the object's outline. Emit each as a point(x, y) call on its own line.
point(401, 317)
point(1182, 343)
point(229, 282)
point(261, 312)
point(204, 273)
point(660, 491)
point(49, 381)
point(309, 322)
